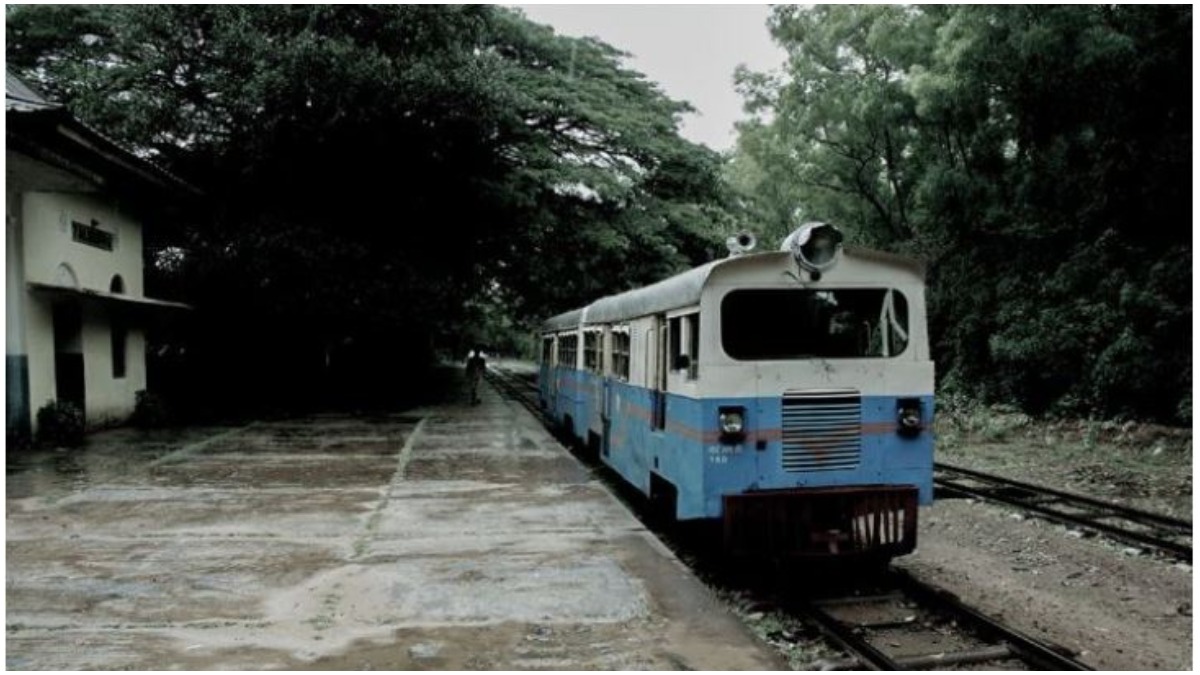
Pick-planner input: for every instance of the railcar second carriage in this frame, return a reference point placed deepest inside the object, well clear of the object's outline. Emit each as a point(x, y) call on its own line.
point(788, 395)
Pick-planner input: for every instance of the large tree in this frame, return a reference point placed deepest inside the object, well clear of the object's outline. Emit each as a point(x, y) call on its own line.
point(383, 180)
point(1038, 157)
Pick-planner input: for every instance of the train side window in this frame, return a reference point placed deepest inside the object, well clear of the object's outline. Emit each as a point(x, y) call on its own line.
point(620, 354)
point(675, 336)
point(591, 351)
point(684, 334)
point(692, 322)
point(567, 350)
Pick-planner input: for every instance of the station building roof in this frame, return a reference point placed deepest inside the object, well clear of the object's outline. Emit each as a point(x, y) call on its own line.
point(21, 97)
point(47, 132)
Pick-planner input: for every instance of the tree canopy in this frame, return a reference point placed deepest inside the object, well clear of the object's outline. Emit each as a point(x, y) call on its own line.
point(384, 180)
point(1038, 157)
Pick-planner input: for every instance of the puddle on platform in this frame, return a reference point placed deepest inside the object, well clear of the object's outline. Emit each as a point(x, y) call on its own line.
point(118, 456)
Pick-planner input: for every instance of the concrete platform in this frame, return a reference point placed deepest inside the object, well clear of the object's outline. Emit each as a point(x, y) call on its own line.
point(453, 537)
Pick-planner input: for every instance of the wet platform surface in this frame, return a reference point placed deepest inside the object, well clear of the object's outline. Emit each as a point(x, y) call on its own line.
point(452, 537)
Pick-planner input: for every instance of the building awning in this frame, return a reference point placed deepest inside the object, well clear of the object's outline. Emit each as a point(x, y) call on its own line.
point(106, 298)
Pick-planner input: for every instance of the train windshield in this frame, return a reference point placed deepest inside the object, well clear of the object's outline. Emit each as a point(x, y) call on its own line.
point(792, 323)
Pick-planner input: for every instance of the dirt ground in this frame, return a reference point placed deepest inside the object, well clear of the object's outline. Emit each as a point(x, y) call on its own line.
point(1139, 465)
point(1121, 610)
point(1117, 611)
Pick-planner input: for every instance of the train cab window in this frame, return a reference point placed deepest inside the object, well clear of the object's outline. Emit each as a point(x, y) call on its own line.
point(684, 334)
point(591, 350)
point(620, 353)
point(772, 324)
point(675, 335)
point(692, 324)
point(567, 349)
point(547, 350)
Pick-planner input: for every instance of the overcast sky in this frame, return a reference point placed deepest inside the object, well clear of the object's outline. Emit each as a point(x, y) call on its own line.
point(690, 50)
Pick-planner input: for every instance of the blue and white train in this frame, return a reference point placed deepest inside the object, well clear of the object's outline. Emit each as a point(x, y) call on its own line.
point(786, 394)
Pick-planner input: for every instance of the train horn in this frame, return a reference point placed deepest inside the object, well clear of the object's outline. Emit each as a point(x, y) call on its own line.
point(742, 242)
point(815, 246)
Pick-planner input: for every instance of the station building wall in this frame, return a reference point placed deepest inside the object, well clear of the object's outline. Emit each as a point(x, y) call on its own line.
point(42, 249)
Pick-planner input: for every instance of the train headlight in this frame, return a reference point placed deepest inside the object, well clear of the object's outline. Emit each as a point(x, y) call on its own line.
point(731, 420)
point(908, 416)
point(815, 246)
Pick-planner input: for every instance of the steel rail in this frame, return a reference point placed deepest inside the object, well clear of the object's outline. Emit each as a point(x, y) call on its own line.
point(508, 382)
point(843, 635)
point(1030, 650)
point(1006, 643)
point(1173, 526)
point(1009, 643)
point(1130, 512)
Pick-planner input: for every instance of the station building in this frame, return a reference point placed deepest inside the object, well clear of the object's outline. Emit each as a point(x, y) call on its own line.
point(76, 203)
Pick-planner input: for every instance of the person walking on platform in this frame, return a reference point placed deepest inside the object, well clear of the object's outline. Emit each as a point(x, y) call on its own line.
point(476, 364)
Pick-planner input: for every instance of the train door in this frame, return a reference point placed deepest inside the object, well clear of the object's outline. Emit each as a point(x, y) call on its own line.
point(656, 351)
point(552, 376)
point(619, 371)
point(606, 389)
point(593, 363)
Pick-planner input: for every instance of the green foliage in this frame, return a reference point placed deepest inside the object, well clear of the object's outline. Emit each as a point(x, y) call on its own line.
point(1037, 157)
point(60, 424)
point(616, 197)
point(840, 126)
point(382, 180)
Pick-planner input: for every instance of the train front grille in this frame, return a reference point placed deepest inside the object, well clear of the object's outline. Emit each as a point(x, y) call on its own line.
point(822, 430)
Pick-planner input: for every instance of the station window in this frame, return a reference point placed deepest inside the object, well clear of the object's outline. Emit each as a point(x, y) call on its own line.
point(119, 339)
point(568, 345)
point(620, 353)
point(591, 350)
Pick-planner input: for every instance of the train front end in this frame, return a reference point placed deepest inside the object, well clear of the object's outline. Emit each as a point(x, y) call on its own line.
point(819, 394)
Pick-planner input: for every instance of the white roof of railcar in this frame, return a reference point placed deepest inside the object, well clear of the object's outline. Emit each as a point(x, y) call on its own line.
point(564, 321)
point(684, 289)
point(680, 290)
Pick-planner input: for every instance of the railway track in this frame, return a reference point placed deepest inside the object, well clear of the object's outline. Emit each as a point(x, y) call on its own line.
point(517, 388)
point(901, 623)
point(1146, 530)
point(884, 621)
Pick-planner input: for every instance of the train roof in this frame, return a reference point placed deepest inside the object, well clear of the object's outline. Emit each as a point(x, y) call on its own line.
point(677, 291)
point(563, 321)
point(680, 290)
point(684, 289)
